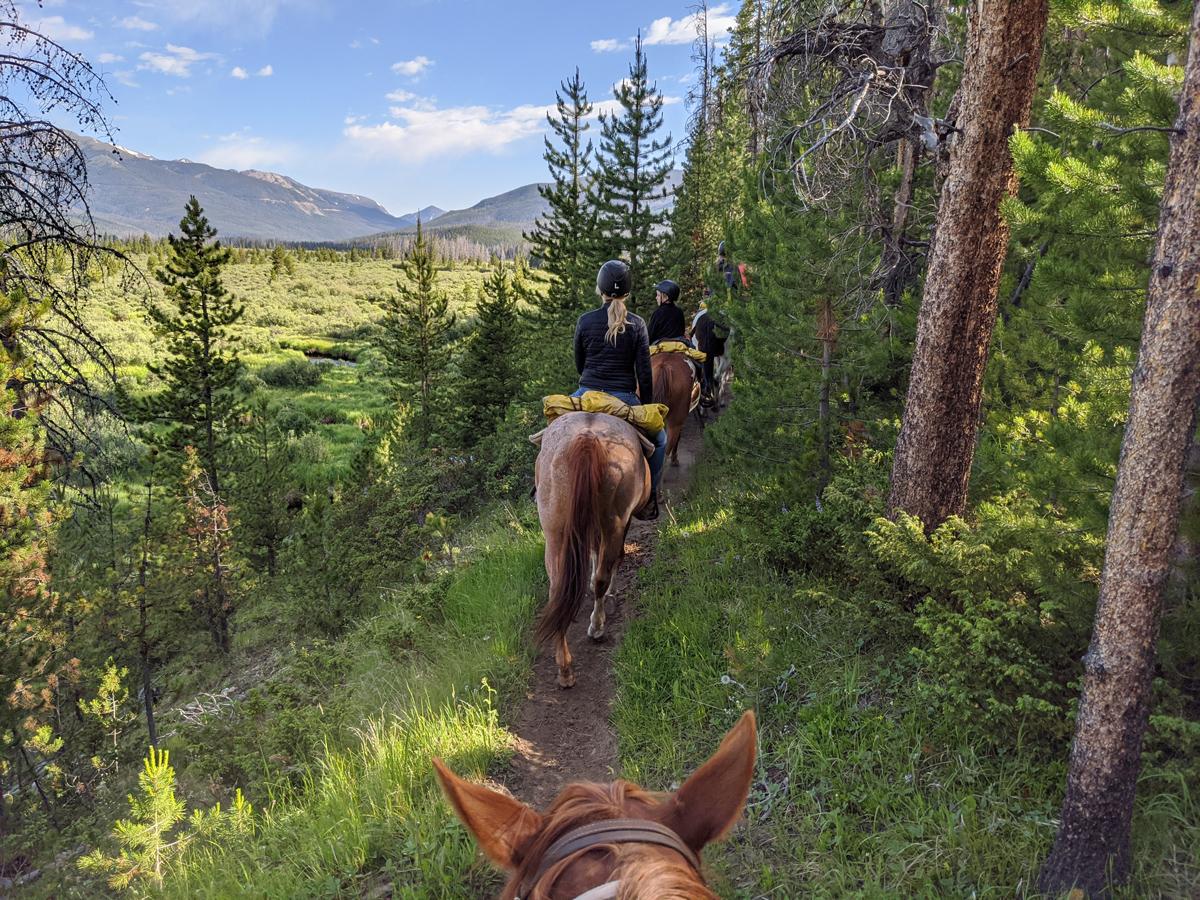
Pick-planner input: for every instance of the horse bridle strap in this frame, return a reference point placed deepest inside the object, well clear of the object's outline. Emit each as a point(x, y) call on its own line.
point(613, 831)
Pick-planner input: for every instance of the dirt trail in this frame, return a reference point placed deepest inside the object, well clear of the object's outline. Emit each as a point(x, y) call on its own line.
point(565, 736)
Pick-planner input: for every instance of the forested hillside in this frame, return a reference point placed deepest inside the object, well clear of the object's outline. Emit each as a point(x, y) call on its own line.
point(268, 545)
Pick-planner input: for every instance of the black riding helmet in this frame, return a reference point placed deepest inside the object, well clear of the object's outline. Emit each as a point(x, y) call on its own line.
point(670, 288)
point(613, 279)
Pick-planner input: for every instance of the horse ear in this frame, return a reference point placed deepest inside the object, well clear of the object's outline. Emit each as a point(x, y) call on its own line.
point(711, 800)
point(501, 824)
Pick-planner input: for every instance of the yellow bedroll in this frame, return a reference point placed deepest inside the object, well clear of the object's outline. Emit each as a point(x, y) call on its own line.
point(650, 418)
point(679, 347)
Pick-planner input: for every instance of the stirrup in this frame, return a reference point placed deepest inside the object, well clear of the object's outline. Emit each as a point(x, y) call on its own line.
point(649, 511)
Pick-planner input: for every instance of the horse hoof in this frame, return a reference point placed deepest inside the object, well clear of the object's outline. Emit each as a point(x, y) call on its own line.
point(675, 463)
point(567, 680)
point(596, 635)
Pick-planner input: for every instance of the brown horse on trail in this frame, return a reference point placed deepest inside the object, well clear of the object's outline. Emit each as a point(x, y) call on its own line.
point(591, 474)
point(673, 380)
point(601, 842)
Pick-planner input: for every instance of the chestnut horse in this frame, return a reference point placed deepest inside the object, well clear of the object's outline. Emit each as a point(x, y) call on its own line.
point(590, 476)
point(614, 840)
point(673, 380)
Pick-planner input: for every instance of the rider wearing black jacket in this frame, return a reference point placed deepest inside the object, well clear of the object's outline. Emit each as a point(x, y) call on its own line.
point(612, 354)
point(667, 322)
point(622, 365)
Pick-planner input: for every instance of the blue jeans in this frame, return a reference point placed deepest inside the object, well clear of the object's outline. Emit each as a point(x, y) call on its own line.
point(660, 440)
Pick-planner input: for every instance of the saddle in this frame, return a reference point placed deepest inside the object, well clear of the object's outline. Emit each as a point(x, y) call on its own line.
point(647, 419)
point(678, 347)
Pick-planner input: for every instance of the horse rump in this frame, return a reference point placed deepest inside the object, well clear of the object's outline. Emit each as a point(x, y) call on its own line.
point(585, 457)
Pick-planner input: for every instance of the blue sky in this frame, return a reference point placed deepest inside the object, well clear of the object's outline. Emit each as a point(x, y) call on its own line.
point(410, 102)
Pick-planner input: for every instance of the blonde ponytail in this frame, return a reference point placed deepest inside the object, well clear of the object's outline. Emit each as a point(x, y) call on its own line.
point(617, 317)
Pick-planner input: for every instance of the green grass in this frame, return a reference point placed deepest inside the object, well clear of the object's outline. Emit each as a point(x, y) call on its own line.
point(351, 803)
point(368, 815)
point(859, 791)
point(415, 686)
point(323, 305)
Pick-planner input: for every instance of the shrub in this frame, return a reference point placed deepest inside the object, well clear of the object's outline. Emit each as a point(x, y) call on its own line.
point(292, 373)
point(1005, 607)
point(293, 421)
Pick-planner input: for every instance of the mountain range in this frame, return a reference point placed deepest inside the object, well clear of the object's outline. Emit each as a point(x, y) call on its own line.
point(134, 194)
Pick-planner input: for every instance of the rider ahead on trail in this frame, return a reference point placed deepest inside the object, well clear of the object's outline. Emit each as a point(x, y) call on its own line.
point(667, 322)
point(612, 354)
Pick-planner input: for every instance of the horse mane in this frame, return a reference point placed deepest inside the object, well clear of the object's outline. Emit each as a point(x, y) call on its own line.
point(642, 875)
point(645, 877)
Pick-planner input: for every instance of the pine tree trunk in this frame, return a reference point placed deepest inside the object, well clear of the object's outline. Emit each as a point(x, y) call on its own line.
point(1093, 841)
point(29, 764)
point(827, 332)
point(932, 465)
point(896, 266)
point(144, 622)
point(826, 427)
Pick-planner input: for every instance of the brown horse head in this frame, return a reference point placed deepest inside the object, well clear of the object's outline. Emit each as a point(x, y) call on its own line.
point(673, 380)
point(591, 474)
point(615, 840)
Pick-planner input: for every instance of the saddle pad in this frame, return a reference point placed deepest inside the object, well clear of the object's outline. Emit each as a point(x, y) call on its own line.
point(679, 347)
point(650, 417)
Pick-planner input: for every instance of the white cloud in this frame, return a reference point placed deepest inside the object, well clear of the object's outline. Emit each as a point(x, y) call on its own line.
point(57, 29)
point(137, 23)
point(106, 58)
point(412, 67)
point(265, 72)
point(353, 120)
point(177, 61)
point(609, 45)
point(422, 131)
point(683, 31)
point(125, 77)
point(605, 108)
point(239, 73)
point(243, 150)
point(401, 96)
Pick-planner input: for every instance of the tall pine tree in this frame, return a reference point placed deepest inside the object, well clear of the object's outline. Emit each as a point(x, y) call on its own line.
point(633, 172)
point(491, 371)
point(564, 238)
point(199, 403)
point(263, 484)
point(415, 339)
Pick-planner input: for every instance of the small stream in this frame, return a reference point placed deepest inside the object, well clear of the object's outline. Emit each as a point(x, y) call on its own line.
point(319, 360)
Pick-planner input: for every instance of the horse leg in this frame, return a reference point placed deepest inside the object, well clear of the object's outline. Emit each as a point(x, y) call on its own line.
point(562, 656)
point(611, 551)
point(562, 653)
point(673, 443)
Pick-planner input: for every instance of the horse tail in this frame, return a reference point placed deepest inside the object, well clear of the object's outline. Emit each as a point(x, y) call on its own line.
point(582, 513)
